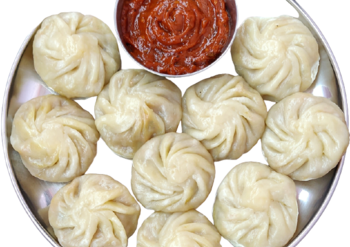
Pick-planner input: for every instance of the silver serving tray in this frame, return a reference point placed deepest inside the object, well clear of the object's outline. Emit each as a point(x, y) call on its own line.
point(35, 195)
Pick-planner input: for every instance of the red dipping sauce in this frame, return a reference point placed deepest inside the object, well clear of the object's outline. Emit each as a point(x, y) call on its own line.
point(175, 37)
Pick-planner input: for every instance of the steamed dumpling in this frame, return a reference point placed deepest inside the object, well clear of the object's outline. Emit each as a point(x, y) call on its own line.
point(225, 114)
point(256, 207)
point(134, 107)
point(94, 211)
point(187, 229)
point(75, 54)
point(276, 56)
point(305, 136)
point(55, 137)
point(172, 173)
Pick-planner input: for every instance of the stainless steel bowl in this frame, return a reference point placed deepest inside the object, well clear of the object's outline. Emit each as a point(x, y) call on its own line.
point(231, 9)
point(35, 195)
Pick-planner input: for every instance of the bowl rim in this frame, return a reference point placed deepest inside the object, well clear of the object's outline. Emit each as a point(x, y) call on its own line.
point(120, 43)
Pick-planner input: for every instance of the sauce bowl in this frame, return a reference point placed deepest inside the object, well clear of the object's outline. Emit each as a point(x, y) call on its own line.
point(231, 9)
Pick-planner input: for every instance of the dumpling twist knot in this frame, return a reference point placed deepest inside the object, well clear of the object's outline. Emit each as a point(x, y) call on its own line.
point(93, 211)
point(55, 137)
point(225, 114)
point(305, 136)
point(172, 173)
point(134, 107)
point(256, 207)
point(276, 56)
point(75, 54)
point(178, 230)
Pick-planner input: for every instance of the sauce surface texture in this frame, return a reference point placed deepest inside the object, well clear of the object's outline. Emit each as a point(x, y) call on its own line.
point(175, 36)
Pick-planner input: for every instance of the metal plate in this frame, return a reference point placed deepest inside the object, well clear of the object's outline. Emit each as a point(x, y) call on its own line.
point(35, 195)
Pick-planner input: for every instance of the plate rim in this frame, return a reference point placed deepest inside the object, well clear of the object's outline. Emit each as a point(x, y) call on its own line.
point(342, 91)
point(5, 141)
